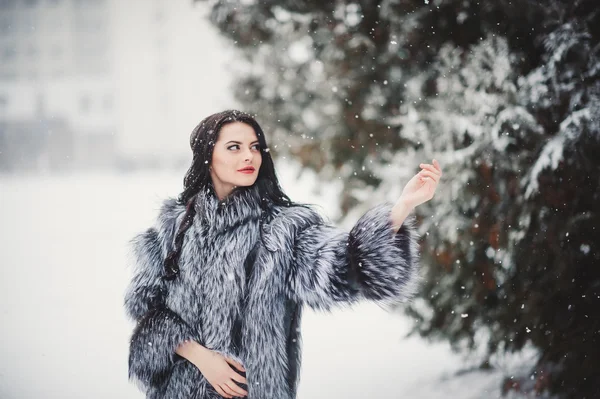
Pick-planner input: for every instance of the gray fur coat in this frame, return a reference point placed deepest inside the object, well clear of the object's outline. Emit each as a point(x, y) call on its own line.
point(245, 300)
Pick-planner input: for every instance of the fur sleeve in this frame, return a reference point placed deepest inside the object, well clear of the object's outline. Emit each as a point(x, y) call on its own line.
point(331, 266)
point(386, 264)
point(158, 330)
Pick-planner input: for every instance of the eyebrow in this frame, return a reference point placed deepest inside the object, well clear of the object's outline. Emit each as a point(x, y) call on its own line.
point(239, 142)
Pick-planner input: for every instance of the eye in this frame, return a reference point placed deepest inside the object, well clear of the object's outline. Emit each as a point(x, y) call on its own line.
point(232, 146)
point(256, 147)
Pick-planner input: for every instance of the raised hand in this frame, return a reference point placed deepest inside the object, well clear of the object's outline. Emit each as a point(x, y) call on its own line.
point(422, 186)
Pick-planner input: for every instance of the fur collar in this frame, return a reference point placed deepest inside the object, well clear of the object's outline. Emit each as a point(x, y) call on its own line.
point(242, 205)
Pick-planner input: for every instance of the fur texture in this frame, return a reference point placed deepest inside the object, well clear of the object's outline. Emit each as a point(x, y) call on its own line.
point(249, 307)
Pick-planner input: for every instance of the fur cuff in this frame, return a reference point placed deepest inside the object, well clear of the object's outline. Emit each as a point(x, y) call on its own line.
point(386, 264)
point(153, 344)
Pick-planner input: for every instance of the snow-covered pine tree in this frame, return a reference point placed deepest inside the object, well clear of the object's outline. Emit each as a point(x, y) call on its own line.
point(505, 94)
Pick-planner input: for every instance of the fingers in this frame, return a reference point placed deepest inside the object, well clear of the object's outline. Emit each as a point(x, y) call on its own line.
point(427, 173)
point(239, 378)
point(237, 391)
point(221, 392)
point(227, 390)
point(235, 364)
point(433, 168)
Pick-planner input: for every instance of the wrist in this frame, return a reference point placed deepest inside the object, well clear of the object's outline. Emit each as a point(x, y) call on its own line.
point(193, 351)
point(403, 203)
point(200, 353)
point(402, 208)
point(399, 213)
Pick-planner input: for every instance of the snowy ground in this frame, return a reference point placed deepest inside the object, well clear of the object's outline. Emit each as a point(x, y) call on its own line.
point(64, 334)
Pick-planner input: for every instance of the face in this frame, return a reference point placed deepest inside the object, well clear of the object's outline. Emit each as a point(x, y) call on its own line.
point(236, 158)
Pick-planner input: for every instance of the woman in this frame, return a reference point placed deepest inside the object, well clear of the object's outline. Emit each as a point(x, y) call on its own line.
point(222, 277)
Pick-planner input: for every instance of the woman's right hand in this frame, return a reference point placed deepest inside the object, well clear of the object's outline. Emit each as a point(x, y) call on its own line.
point(215, 368)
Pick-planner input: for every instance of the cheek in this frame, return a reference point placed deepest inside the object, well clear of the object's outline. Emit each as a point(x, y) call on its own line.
point(220, 162)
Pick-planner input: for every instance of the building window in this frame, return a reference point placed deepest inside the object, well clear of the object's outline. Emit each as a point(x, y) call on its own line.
point(32, 52)
point(9, 53)
point(28, 23)
point(4, 4)
point(6, 27)
point(94, 24)
point(88, 3)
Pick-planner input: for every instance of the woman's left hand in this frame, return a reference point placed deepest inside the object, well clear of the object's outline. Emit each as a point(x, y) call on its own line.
point(422, 186)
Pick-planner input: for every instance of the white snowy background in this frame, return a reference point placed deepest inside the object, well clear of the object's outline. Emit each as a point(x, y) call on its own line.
point(64, 270)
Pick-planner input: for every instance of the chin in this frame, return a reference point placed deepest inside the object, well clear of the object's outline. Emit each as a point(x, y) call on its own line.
point(245, 182)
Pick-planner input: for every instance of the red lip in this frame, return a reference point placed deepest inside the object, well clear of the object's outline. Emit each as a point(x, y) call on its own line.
point(247, 170)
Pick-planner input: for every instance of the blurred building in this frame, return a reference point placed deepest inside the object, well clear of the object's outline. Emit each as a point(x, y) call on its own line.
point(57, 95)
point(103, 83)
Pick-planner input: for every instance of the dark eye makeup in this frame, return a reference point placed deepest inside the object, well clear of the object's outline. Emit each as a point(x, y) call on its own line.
point(255, 146)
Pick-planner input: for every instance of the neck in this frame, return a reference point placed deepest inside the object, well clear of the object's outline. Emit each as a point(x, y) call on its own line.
point(222, 190)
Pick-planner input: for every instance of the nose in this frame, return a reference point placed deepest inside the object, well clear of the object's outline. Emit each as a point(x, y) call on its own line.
point(248, 155)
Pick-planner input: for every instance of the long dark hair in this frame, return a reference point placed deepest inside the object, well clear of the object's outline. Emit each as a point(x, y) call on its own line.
point(202, 141)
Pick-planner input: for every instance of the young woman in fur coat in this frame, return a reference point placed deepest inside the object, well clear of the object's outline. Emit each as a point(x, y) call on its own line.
point(221, 278)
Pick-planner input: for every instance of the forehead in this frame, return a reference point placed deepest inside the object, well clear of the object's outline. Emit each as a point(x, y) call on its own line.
point(237, 131)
